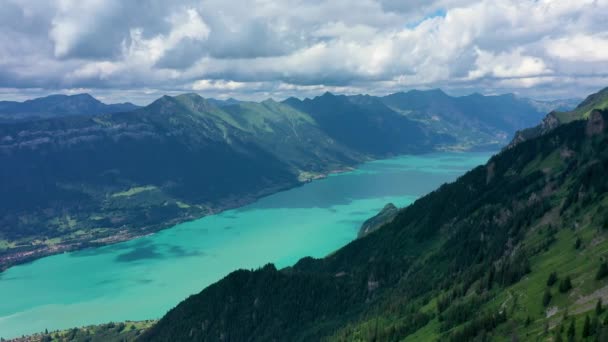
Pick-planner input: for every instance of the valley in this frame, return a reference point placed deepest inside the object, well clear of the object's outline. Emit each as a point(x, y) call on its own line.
point(143, 278)
point(306, 171)
point(78, 181)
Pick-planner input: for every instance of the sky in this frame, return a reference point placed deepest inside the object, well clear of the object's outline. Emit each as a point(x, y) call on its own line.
point(138, 50)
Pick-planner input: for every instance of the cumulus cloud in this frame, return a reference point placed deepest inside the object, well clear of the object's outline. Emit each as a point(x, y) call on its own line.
point(261, 48)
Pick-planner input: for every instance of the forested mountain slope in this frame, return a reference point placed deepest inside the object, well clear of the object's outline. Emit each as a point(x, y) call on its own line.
point(555, 118)
point(475, 119)
point(75, 181)
point(513, 249)
point(87, 176)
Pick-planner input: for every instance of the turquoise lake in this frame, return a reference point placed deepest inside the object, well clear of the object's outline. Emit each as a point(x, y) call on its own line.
point(143, 278)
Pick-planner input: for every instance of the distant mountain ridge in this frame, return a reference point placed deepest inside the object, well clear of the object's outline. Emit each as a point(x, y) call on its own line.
point(118, 175)
point(476, 119)
point(59, 105)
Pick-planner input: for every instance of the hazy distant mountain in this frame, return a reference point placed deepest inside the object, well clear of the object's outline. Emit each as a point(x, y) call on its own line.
point(475, 119)
point(366, 124)
point(547, 106)
point(59, 105)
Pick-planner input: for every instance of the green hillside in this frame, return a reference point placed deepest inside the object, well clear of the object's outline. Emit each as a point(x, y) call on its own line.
point(598, 100)
point(472, 260)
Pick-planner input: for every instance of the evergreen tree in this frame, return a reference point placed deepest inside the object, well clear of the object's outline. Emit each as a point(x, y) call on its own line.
point(598, 307)
point(602, 271)
point(547, 297)
point(577, 243)
point(595, 325)
point(571, 330)
point(565, 285)
point(552, 279)
point(587, 327)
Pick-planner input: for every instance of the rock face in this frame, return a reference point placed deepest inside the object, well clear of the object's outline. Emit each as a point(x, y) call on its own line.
point(596, 124)
point(549, 123)
point(585, 110)
point(386, 215)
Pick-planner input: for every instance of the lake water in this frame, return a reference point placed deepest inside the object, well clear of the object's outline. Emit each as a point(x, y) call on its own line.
point(143, 278)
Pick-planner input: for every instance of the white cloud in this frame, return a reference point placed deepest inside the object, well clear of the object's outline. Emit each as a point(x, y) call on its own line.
point(206, 85)
point(507, 65)
point(257, 47)
point(580, 47)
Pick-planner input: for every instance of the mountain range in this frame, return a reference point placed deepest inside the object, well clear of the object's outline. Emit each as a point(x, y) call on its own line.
point(87, 176)
point(58, 105)
point(515, 249)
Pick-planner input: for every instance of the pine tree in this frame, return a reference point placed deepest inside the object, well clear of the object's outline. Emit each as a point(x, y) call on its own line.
point(565, 285)
point(598, 307)
point(571, 330)
point(547, 297)
point(587, 327)
point(552, 279)
point(602, 271)
point(595, 325)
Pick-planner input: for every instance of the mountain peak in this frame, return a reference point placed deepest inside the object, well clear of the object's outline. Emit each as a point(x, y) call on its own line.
point(190, 96)
point(435, 91)
point(83, 96)
point(60, 105)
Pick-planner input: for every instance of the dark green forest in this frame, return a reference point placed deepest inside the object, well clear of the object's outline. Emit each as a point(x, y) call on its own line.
point(462, 263)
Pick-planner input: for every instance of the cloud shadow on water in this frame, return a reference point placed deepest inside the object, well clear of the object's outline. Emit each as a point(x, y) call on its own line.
point(139, 253)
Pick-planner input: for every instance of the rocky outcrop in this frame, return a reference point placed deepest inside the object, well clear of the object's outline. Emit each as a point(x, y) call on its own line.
point(386, 215)
point(550, 121)
point(596, 124)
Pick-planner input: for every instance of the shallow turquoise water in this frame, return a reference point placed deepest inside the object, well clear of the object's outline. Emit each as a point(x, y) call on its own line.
point(143, 278)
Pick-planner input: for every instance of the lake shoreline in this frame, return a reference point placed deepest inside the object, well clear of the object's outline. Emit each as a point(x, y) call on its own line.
point(108, 283)
point(9, 260)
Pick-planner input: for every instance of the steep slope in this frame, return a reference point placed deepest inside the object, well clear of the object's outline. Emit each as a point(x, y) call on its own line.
point(58, 105)
point(292, 136)
point(75, 181)
point(386, 215)
point(475, 119)
point(470, 260)
point(597, 100)
point(366, 124)
point(83, 179)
